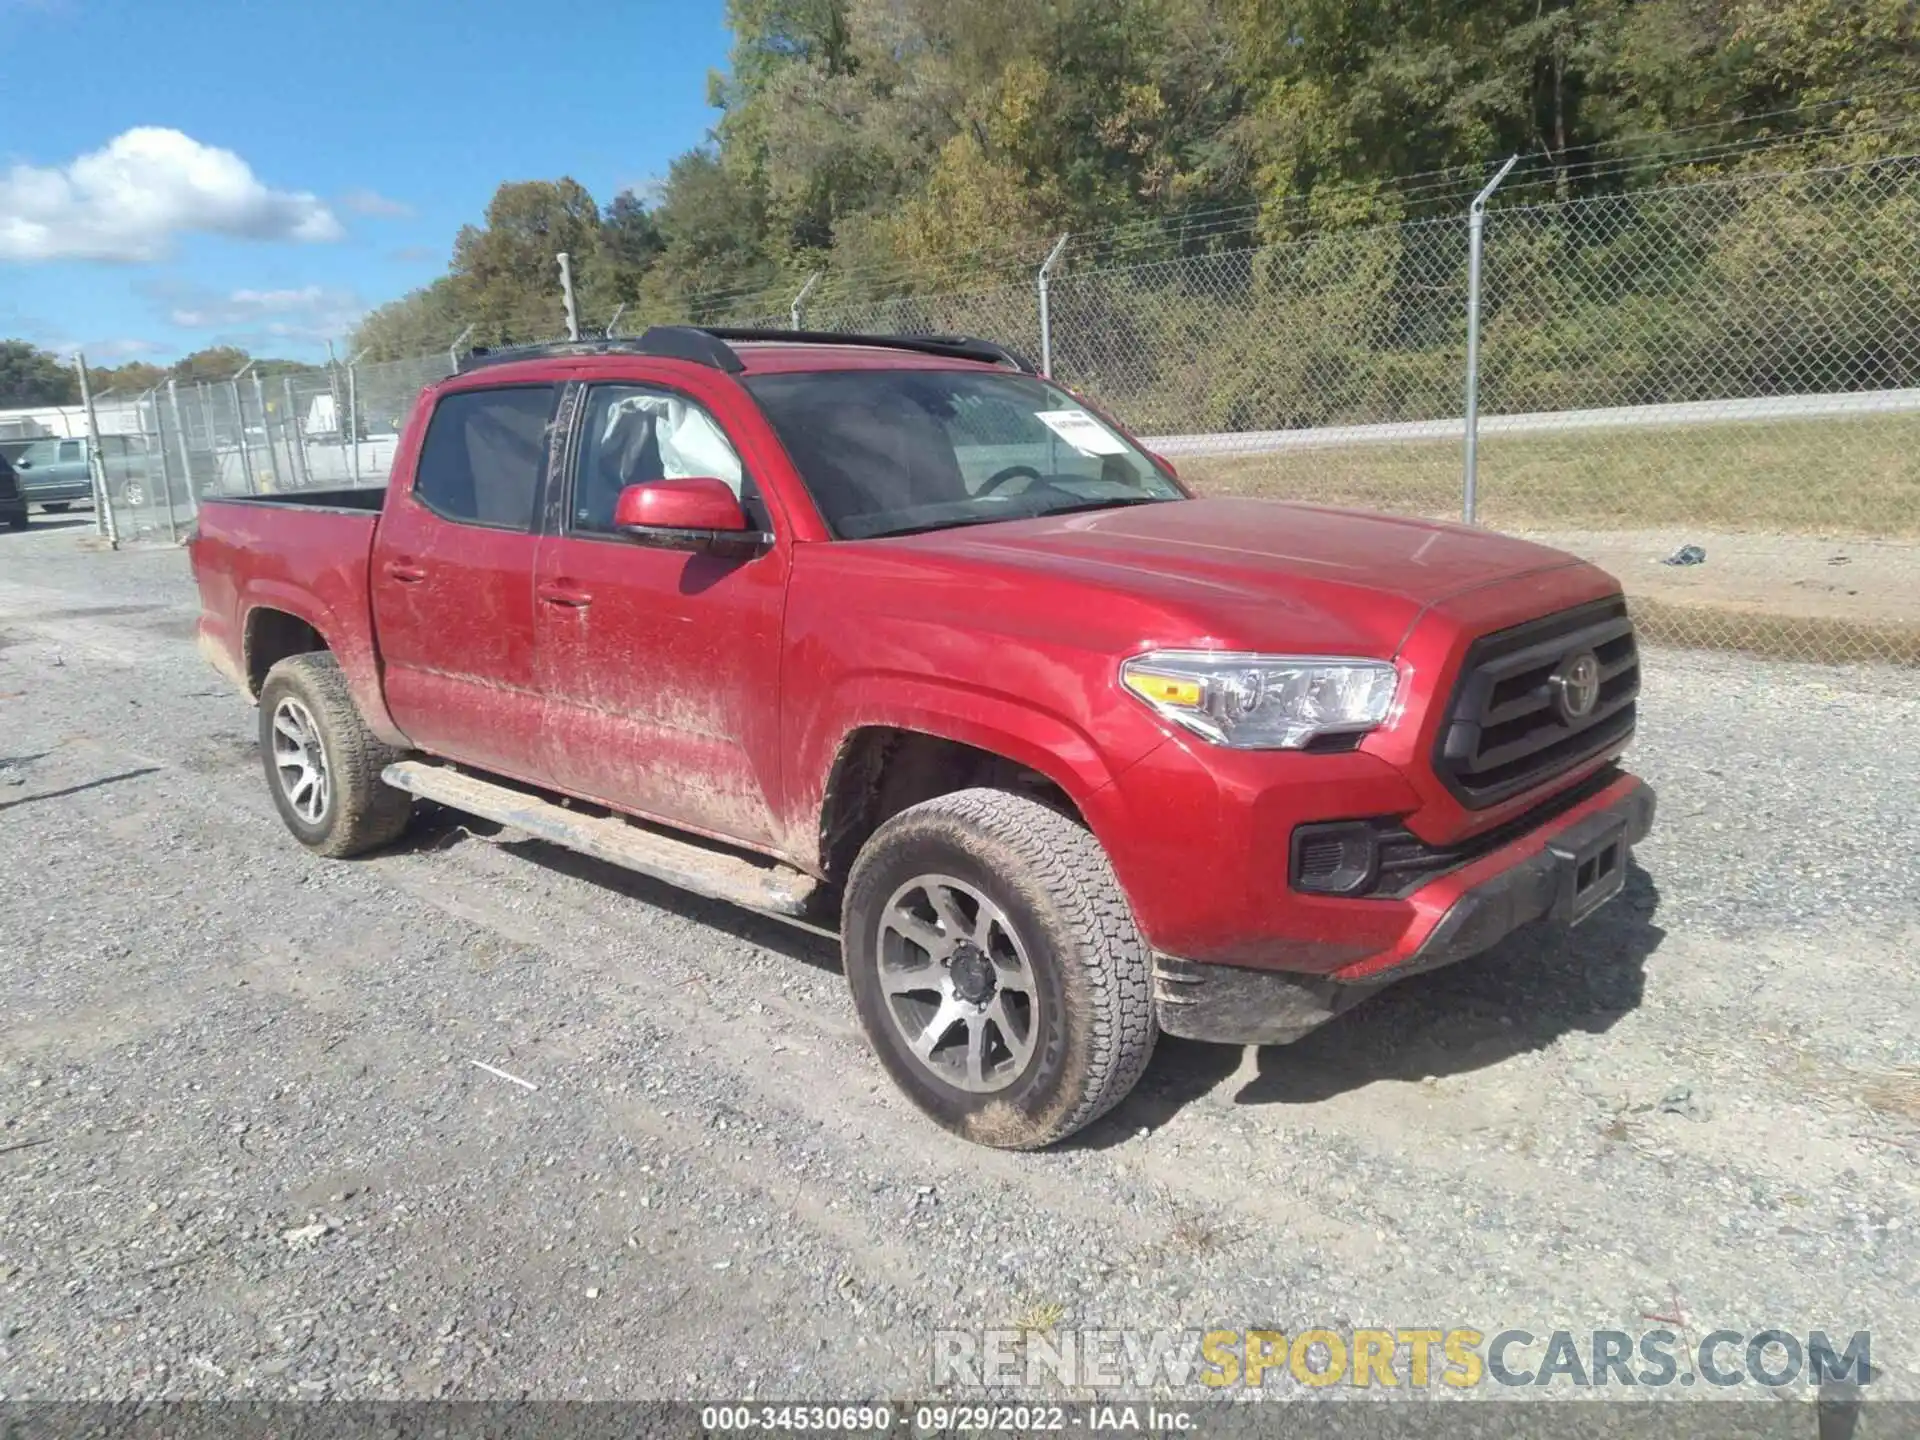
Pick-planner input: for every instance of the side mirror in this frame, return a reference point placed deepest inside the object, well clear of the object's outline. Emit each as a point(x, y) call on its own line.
point(700, 514)
point(23, 463)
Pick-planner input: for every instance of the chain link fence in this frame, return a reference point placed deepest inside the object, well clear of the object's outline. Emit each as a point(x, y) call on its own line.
point(1713, 390)
point(1724, 375)
point(324, 428)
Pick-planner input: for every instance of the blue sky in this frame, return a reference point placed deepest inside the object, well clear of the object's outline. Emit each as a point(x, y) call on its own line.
point(362, 136)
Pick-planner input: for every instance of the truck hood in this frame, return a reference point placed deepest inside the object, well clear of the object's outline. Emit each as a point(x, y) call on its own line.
point(1252, 573)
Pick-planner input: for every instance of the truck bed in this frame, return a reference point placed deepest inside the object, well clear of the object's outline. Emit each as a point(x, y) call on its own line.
point(302, 556)
point(360, 498)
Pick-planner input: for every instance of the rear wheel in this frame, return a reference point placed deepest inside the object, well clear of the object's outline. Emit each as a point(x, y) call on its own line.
point(997, 969)
point(18, 519)
point(323, 764)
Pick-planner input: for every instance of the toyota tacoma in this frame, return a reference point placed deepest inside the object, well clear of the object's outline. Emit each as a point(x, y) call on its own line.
point(894, 636)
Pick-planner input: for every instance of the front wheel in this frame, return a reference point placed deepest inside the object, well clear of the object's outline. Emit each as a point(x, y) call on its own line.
point(997, 969)
point(323, 764)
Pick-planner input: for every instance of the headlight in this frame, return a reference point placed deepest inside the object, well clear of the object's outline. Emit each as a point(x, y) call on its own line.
point(1262, 702)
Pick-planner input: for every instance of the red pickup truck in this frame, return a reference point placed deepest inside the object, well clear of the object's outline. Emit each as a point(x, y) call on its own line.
point(894, 633)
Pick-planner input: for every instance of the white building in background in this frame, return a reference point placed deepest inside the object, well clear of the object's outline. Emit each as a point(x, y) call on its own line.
point(117, 417)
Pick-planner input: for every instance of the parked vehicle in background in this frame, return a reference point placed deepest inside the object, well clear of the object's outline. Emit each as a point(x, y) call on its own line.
point(895, 632)
point(13, 502)
point(54, 472)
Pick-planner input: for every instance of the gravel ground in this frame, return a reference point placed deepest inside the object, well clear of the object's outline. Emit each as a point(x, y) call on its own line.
point(245, 1149)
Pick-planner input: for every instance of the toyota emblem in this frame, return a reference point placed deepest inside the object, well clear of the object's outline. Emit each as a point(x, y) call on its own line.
point(1576, 685)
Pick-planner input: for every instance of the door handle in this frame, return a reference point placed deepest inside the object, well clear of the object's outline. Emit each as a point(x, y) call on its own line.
point(405, 572)
point(566, 595)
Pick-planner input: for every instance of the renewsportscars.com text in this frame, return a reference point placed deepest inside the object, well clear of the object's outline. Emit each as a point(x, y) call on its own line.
point(1419, 1357)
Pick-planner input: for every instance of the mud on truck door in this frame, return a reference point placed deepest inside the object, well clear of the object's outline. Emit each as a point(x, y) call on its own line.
point(659, 664)
point(452, 579)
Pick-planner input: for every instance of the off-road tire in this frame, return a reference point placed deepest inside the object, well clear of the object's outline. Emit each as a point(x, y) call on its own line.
point(1095, 1028)
point(361, 813)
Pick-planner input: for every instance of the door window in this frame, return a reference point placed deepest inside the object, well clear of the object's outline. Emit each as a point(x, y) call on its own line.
point(635, 434)
point(484, 454)
point(70, 452)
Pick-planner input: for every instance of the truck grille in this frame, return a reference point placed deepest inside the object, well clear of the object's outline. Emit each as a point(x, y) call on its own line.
point(1518, 717)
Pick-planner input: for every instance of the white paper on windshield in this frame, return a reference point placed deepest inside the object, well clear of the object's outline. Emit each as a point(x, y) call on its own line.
point(1082, 431)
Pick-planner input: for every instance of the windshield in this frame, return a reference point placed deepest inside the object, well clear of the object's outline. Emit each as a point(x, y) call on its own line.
point(890, 452)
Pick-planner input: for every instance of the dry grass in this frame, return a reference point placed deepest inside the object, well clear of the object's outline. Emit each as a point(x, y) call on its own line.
point(1895, 1094)
point(1039, 1317)
point(1825, 477)
point(1776, 637)
point(1195, 1235)
point(1853, 478)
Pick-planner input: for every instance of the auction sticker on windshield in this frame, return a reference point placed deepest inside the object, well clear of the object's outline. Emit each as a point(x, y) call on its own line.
point(1082, 431)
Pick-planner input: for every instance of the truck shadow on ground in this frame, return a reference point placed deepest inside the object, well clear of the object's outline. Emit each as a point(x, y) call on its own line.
point(436, 828)
point(1527, 992)
point(1521, 996)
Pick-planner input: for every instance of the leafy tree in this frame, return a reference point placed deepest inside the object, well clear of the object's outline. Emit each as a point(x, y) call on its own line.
point(135, 375)
point(32, 376)
point(216, 362)
point(897, 144)
point(505, 279)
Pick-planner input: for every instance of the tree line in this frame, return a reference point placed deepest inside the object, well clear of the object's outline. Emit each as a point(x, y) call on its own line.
point(899, 143)
point(30, 375)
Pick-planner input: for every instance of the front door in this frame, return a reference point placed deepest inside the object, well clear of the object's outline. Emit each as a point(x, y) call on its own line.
point(660, 667)
point(453, 577)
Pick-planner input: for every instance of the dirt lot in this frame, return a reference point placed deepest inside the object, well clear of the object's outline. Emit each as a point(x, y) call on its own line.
point(245, 1149)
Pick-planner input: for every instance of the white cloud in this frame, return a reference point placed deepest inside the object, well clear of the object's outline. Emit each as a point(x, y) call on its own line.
point(124, 349)
point(312, 312)
point(372, 202)
point(129, 199)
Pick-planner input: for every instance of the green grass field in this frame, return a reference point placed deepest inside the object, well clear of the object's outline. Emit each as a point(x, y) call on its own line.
point(1809, 477)
point(1834, 479)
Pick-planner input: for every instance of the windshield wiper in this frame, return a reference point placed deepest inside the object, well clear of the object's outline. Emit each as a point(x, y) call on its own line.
point(1112, 502)
point(949, 524)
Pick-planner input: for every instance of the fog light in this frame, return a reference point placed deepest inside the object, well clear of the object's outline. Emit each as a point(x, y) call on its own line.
point(1334, 859)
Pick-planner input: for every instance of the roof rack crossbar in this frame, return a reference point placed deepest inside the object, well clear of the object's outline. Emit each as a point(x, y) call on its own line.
point(709, 345)
point(958, 347)
point(481, 356)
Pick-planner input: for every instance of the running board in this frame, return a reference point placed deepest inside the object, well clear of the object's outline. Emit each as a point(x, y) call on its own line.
point(719, 874)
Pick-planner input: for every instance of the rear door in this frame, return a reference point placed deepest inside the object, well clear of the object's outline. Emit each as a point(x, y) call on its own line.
point(660, 667)
point(452, 580)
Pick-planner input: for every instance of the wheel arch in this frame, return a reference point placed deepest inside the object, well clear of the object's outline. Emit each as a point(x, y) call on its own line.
point(280, 620)
point(879, 770)
point(272, 634)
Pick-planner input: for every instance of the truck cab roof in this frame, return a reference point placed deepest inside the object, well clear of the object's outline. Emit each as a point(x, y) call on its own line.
point(750, 351)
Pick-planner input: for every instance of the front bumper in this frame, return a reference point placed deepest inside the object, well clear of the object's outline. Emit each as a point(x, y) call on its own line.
point(1459, 914)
